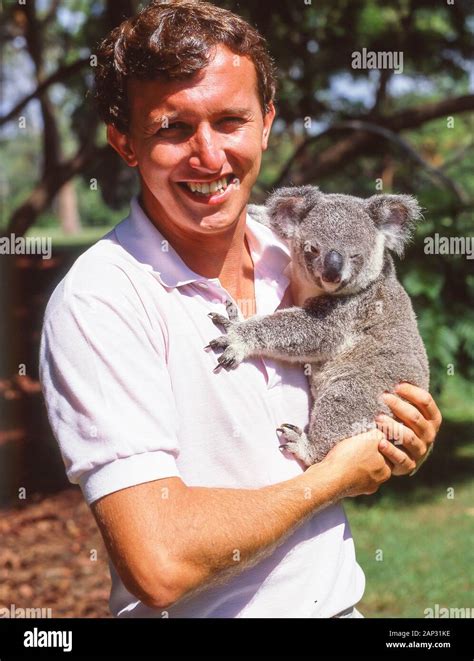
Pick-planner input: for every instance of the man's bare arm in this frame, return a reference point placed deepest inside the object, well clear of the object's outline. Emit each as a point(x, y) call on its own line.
point(168, 540)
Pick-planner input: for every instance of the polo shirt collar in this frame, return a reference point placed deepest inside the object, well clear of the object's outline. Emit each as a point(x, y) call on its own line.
point(144, 241)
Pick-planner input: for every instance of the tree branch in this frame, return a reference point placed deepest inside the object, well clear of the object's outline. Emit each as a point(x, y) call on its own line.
point(414, 117)
point(57, 77)
point(35, 46)
point(436, 173)
point(313, 167)
point(51, 12)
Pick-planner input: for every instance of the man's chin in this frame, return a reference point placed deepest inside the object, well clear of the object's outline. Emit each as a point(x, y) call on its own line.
point(206, 219)
point(212, 217)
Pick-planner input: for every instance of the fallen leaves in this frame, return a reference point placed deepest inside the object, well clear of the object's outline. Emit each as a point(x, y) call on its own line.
point(46, 560)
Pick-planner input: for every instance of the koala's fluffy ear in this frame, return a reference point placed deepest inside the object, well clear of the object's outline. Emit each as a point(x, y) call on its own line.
point(259, 212)
point(395, 216)
point(288, 206)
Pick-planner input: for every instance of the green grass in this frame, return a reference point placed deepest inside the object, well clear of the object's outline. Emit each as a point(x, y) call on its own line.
point(426, 537)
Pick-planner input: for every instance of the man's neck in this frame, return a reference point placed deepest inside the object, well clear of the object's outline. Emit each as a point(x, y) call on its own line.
point(225, 256)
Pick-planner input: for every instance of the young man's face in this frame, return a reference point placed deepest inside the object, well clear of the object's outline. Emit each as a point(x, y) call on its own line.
point(186, 134)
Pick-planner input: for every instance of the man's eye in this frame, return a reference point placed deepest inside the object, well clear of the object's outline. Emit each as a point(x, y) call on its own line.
point(174, 126)
point(231, 120)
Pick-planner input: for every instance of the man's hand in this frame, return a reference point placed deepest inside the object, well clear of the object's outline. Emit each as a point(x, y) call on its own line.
point(356, 464)
point(420, 420)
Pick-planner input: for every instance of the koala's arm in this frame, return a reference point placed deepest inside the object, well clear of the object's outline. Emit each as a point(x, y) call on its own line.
point(294, 334)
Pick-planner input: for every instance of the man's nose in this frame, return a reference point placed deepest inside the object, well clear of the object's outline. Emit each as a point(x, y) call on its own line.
point(332, 266)
point(207, 150)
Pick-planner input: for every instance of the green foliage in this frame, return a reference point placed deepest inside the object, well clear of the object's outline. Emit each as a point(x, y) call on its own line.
point(419, 559)
point(457, 402)
point(93, 209)
point(21, 167)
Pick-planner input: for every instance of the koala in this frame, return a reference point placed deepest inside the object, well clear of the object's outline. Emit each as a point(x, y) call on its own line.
point(353, 324)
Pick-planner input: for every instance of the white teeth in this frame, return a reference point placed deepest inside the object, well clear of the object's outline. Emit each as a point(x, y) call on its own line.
point(219, 185)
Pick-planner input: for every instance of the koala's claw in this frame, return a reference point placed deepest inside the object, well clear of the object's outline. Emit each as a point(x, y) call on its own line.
point(230, 358)
point(220, 342)
point(235, 349)
point(293, 435)
point(296, 442)
point(286, 425)
point(219, 319)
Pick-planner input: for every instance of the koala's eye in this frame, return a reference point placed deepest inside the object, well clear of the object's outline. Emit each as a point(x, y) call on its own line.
point(354, 256)
point(314, 250)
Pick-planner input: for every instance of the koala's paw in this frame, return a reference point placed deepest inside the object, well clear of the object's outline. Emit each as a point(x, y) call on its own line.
point(296, 442)
point(235, 348)
point(232, 356)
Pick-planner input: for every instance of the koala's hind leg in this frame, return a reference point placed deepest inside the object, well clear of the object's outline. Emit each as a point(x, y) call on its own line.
point(296, 442)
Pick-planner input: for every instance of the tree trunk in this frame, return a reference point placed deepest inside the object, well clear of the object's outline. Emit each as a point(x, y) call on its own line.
point(66, 205)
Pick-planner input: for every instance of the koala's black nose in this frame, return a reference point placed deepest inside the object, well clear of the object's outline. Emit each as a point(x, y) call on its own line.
point(332, 266)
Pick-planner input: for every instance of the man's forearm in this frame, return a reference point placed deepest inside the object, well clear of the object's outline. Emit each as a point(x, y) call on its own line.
point(216, 533)
point(167, 540)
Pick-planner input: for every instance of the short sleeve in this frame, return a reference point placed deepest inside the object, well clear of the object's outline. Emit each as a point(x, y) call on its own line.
point(106, 385)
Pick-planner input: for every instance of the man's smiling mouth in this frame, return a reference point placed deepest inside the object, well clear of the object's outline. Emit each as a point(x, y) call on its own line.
point(206, 189)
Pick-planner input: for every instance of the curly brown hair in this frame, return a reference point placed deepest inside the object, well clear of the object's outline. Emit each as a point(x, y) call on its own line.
point(173, 39)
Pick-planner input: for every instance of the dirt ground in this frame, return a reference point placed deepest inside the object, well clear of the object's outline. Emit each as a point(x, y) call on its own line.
point(47, 557)
point(47, 539)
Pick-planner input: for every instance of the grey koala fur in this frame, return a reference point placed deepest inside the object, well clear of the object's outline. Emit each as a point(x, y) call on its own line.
point(353, 322)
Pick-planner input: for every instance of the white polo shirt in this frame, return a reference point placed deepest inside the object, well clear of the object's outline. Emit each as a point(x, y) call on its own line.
point(131, 397)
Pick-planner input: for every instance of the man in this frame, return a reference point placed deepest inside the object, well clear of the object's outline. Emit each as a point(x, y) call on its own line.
point(202, 516)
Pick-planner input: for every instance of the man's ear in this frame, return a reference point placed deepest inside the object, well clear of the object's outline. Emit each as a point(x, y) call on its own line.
point(396, 217)
point(122, 145)
point(267, 124)
point(288, 206)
